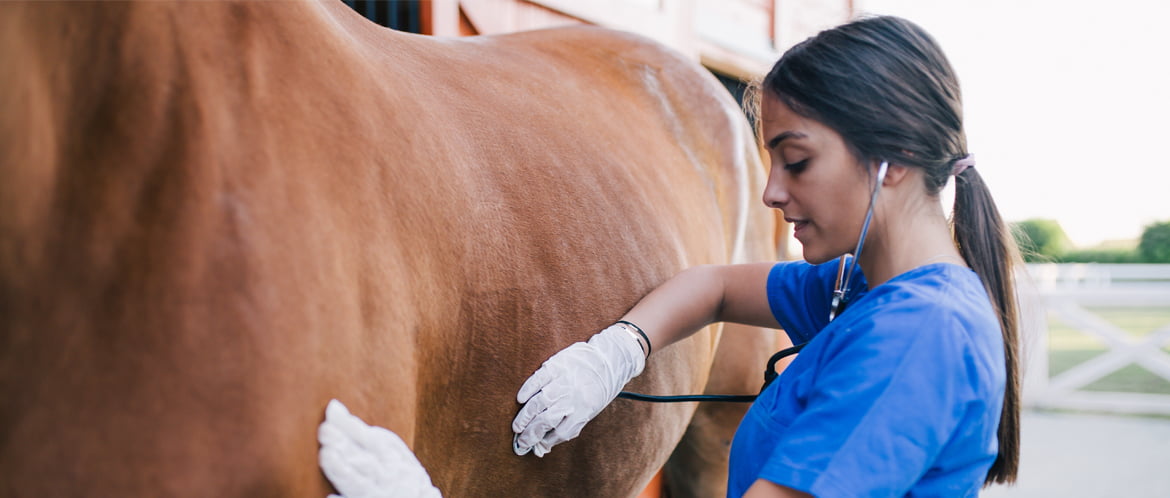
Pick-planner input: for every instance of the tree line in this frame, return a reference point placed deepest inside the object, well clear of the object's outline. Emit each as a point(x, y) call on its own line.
point(1044, 241)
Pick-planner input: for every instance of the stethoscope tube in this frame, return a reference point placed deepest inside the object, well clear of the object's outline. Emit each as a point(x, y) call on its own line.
point(842, 285)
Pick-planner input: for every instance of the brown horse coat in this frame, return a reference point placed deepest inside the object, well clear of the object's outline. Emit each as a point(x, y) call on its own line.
point(214, 217)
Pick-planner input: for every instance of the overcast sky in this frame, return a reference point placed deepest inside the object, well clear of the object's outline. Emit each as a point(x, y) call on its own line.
point(1067, 105)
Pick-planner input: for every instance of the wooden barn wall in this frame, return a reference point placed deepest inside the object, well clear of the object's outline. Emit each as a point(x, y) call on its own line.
point(738, 39)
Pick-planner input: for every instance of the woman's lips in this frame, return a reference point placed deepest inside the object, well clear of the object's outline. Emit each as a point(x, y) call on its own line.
point(798, 226)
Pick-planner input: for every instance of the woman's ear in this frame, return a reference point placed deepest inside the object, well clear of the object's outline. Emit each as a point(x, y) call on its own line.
point(896, 174)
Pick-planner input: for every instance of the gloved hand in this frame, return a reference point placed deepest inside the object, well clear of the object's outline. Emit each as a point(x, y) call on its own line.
point(572, 387)
point(368, 462)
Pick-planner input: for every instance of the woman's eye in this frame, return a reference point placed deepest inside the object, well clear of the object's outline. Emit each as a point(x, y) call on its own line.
point(797, 166)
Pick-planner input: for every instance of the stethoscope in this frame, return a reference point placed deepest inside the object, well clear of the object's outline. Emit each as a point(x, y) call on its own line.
point(836, 307)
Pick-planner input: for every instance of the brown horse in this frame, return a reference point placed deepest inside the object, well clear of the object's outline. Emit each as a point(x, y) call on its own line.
point(214, 217)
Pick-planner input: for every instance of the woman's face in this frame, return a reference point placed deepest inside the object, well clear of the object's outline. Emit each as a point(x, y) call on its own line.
point(814, 178)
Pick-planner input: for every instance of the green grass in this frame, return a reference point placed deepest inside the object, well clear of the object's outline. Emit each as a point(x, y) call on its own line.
point(1068, 347)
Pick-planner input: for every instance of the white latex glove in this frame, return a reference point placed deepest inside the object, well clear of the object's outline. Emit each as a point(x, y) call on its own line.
point(572, 387)
point(368, 462)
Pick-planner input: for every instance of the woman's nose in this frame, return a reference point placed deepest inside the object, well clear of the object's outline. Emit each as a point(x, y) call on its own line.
point(775, 194)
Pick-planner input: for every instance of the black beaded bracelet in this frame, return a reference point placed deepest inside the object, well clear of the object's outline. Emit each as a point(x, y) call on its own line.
point(640, 332)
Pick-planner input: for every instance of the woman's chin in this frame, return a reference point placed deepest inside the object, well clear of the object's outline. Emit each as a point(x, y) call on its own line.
point(816, 257)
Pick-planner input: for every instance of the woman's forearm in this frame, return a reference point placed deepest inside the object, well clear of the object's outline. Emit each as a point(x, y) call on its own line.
point(682, 305)
point(702, 295)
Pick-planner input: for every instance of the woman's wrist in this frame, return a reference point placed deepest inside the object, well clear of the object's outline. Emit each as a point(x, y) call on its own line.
point(623, 350)
point(638, 334)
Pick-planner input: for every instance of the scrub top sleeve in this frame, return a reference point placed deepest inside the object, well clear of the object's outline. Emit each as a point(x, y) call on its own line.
point(799, 295)
point(876, 420)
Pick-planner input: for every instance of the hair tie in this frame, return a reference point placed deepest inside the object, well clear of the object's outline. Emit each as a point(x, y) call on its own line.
point(962, 164)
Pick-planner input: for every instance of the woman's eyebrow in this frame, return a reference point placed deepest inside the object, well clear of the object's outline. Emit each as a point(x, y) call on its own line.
point(775, 141)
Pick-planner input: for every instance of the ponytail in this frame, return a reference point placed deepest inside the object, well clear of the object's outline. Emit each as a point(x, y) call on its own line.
point(989, 249)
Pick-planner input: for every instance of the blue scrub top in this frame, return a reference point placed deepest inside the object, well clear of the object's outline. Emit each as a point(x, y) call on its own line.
point(899, 396)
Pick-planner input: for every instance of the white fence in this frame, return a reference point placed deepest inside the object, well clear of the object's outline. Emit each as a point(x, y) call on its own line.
point(1068, 291)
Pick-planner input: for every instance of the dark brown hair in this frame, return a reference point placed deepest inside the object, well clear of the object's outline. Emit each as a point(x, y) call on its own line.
point(886, 87)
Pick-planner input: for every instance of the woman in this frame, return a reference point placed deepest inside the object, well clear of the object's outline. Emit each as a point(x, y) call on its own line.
point(913, 387)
